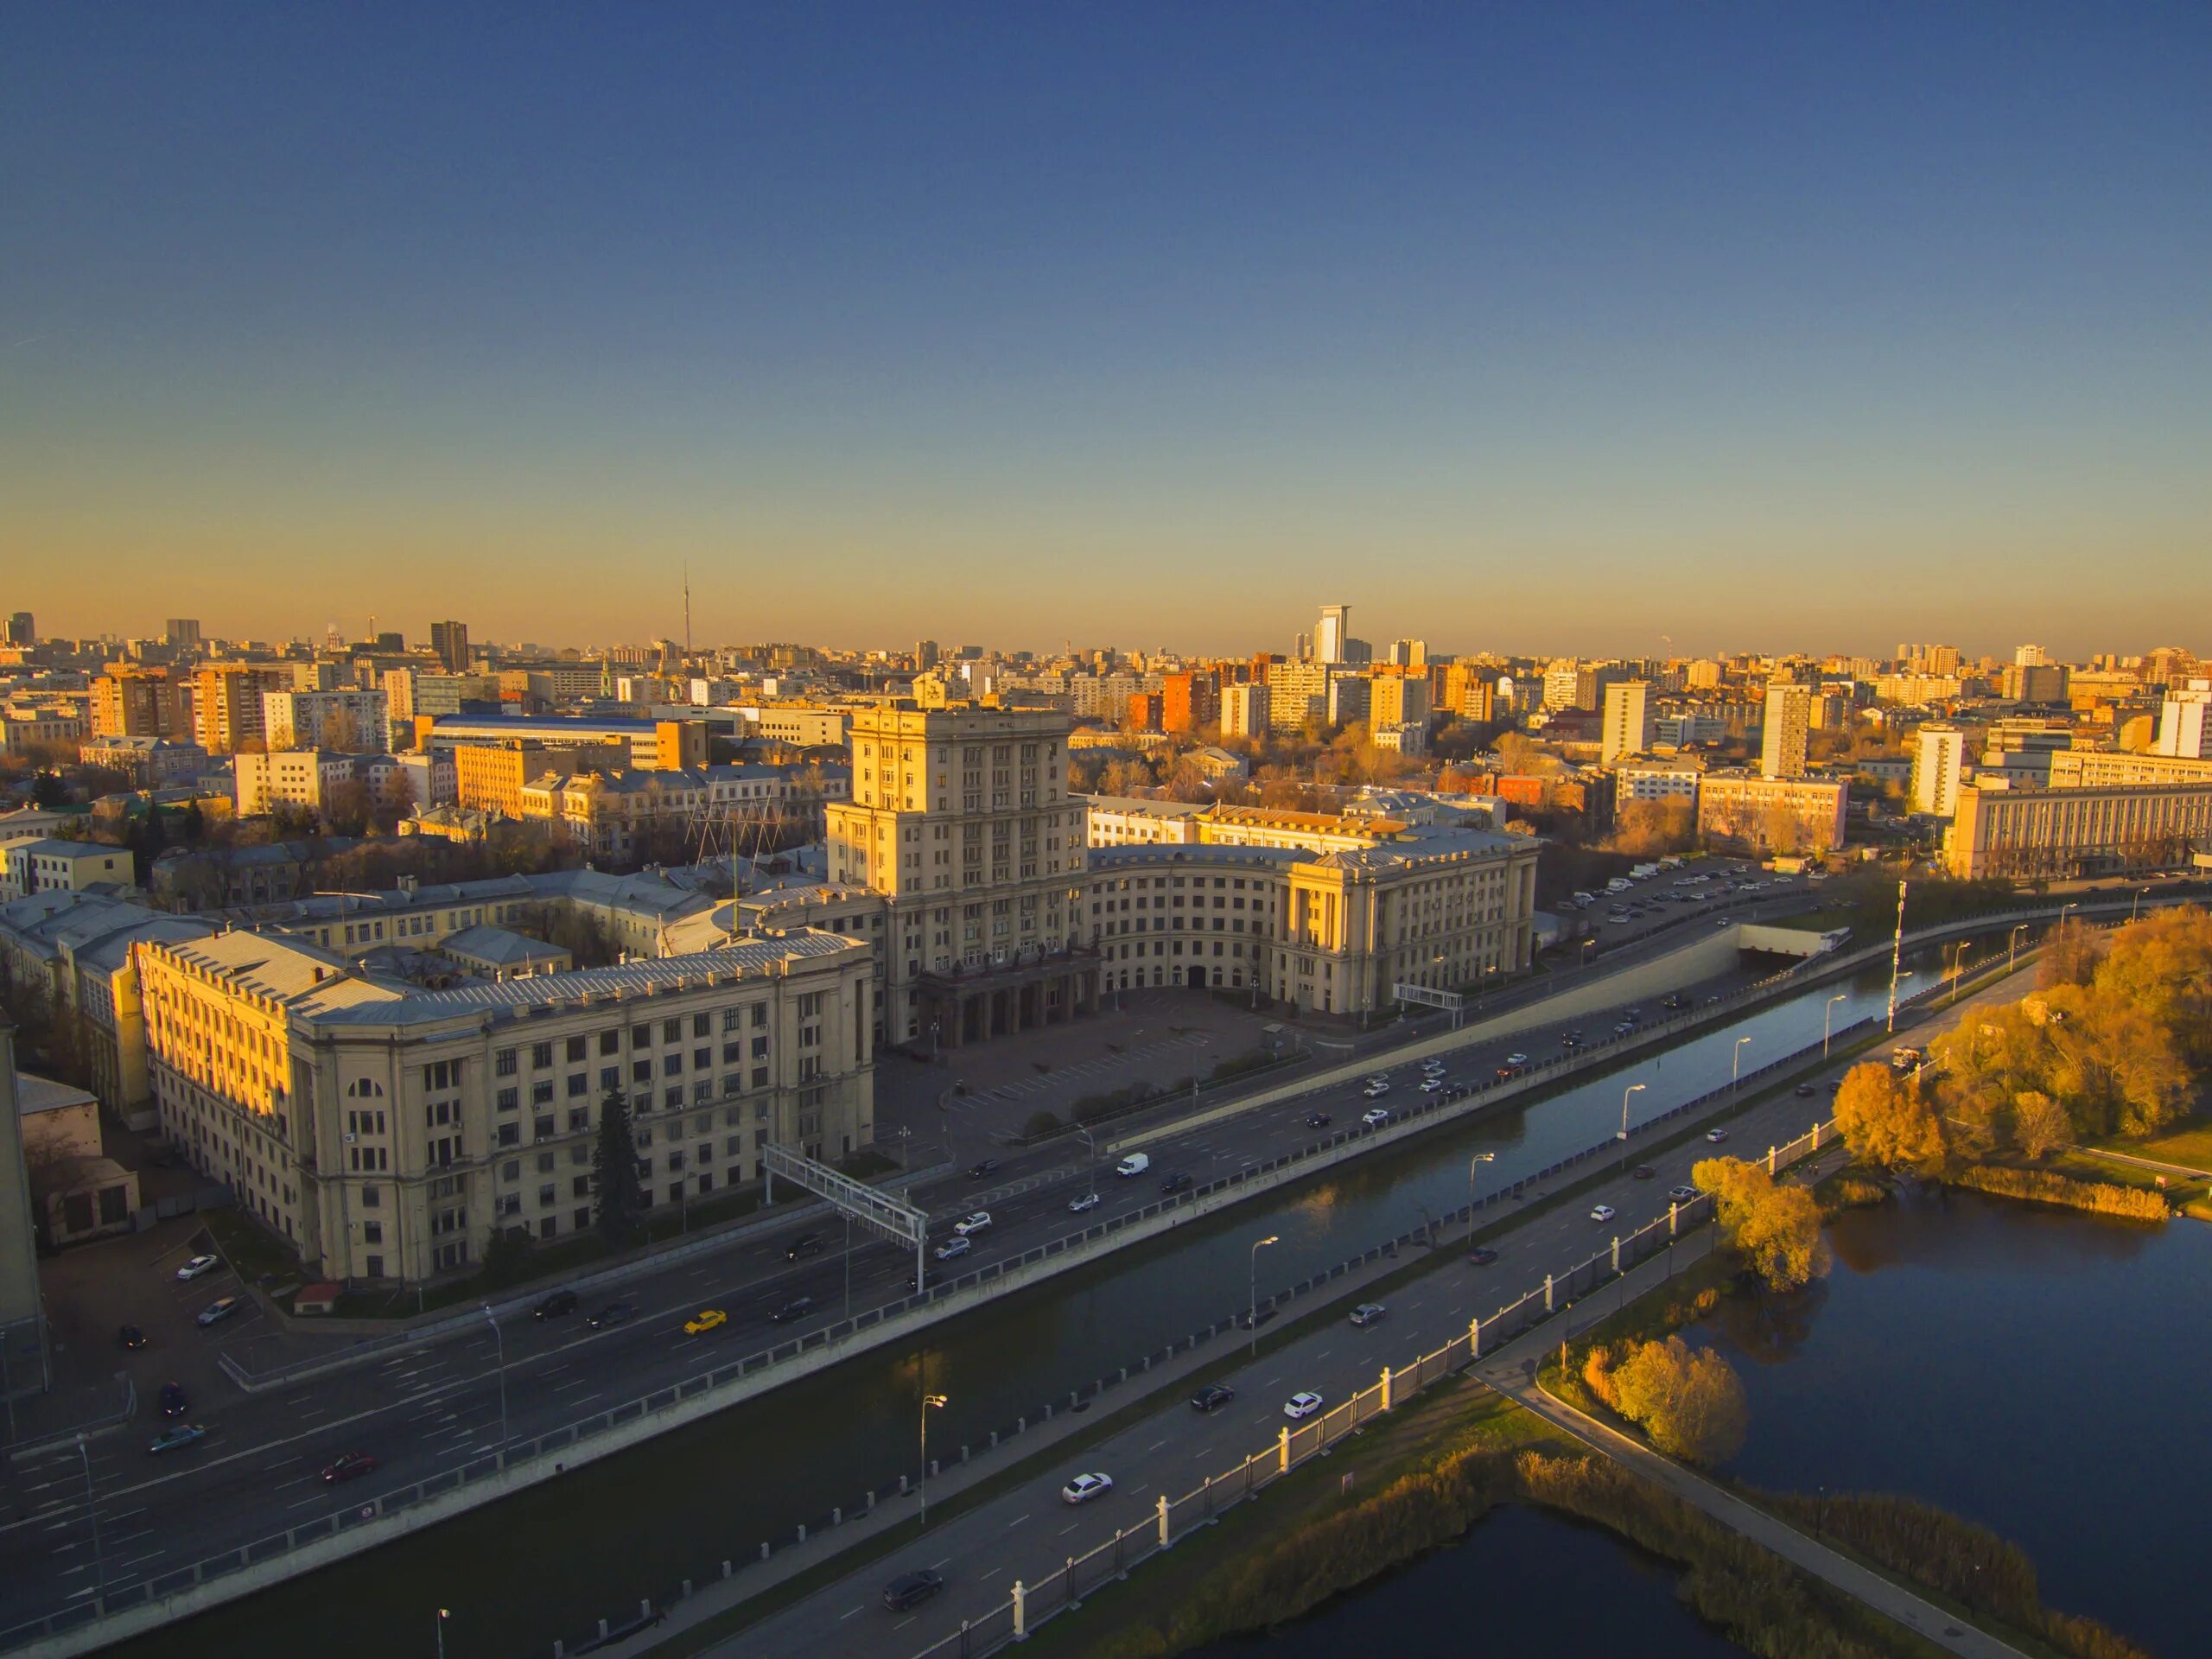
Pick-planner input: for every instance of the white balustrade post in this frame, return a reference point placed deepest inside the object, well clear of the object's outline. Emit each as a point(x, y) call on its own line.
point(1164, 1538)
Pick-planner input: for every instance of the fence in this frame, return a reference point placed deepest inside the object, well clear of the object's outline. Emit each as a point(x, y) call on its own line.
point(522, 1462)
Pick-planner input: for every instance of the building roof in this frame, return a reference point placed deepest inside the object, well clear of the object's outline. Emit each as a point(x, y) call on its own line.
point(37, 1094)
point(57, 845)
point(1145, 806)
point(500, 947)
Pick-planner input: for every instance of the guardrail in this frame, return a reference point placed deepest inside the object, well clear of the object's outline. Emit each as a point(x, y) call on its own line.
point(524, 1463)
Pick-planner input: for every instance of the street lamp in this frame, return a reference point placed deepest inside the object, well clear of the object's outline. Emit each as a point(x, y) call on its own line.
point(930, 1403)
point(2013, 947)
point(1736, 1066)
point(443, 1614)
point(1090, 1156)
point(1958, 963)
point(92, 1507)
point(2136, 903)
point(1625, 1093)
point(1479, 1158)
point(1827, 1018)
point(499, 1339)
point(1254, 1315)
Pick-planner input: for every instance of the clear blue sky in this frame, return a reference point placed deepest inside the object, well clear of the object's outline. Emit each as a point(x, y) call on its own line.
point(1540, 328)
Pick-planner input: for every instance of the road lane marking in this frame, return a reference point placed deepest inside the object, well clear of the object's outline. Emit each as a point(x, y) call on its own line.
point(1156, 1445)
point(1016, 1521)
point(935, 1565)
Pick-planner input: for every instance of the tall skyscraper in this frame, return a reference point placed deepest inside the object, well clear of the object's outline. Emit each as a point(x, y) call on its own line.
point(1937, 769)
point(182, 632)
point(1329, 639)
point(450, 641)
point(22, 630)
point(1628, 721)
point(1789, 719)
point(925, 655)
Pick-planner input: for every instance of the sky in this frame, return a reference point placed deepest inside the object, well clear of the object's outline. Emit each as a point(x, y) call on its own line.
point(1608, 329)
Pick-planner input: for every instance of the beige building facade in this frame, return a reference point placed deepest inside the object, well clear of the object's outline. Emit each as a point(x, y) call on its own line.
point(2061, 833)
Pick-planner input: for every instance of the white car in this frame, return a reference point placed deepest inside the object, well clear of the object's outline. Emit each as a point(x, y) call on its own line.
point(1683, 1194)
point(968, 1226)
point(1430, 1085)
point(1376, 1090)
point(198, 1265)
point(1432, 1066)
point(1375, 1117)
point(1304, 1403)
point(1083, 1488)
point(1602, 1212)
point(1516, 1059)
point(1082, 1201)
point(1716, 1135)
point(951, 1247)
point(1380, 1080)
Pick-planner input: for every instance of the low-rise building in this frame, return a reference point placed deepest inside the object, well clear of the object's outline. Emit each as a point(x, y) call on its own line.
point(2064, 834)
point(51, 865)
point(148, 762)
point(79, 1192)
point(304, 779)
point(1771, 814)
point(1130, 820)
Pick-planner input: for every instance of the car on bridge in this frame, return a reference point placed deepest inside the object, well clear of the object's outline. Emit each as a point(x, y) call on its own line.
point(1376, 1090)
point(1177, 1182)
point(806, 1244)
point(1482, 1255)
point(1375, 1116)
point(1716, 1135)
point(1516, 1059)
point(612, 1314)
point(1082, 1201)
point(1317, 1119)
point(1212, 1397)
point(968, 1226)
point(1685, 1194)
point(559, 1304)
point(798, 1308)
point(1602, 1212)
point(982, 1167)
point(952, 1248)
point(1083, 1488)
point(1302, 1404)
point(911, 1590)
point(706, 1319)
point(177, 1436)
point(173, 1404)
point(348, 1465)
point(1435, 1081)
point(131, 1336)
point(1368, 1312)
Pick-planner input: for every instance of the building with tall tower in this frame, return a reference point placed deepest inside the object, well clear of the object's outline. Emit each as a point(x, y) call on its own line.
point(1628, 721)
point(961, 820)
point(1329, 639)
point(23, 629)
point(1789, 719)
point(449, 640)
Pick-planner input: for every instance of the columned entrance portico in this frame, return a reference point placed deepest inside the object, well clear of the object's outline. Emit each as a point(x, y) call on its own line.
point(975, 1007)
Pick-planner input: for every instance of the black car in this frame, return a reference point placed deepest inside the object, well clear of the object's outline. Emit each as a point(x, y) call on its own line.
point(173, 1404)
point(612, 1314)
point(1212, 1397)
point(798, 1308)
point(911, 1589)
point(987, 1167)
point(1317, 1119)
point(805, 1244)
point(1805, 1092)
point(1175, 1183)
point(1482, 1255)
point(131, 1336)
point(560, 1303)
point(915, 1287)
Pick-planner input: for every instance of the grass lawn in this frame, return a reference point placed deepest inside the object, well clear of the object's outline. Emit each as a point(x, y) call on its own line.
point(2192, 1146)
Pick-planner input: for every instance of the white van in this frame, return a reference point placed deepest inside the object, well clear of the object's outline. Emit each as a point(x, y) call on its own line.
point(1136, 1164)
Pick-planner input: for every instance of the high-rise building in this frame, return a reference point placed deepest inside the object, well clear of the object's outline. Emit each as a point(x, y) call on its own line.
point(1469, 692)
point(226, 710)
point(133, 702)
point(1335, 629)
point(2185, 722)
point(21, 629)
point(1409, 654)
point(961, 819)
point(450, 641)
point(1628, 721)
point(1938, 767)
point(925, 655)
point(2030, 656)
point(1394, 700)
point(182, 632)
point(1789, 718)
point(1244, 711)
point(1190, 700)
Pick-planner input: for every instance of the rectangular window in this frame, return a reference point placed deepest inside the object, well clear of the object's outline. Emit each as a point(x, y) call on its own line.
point(503, 1063)
point(510, 1099)
point(578, 1047)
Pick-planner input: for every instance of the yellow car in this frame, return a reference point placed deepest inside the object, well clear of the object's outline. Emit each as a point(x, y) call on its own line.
point(706, 1321)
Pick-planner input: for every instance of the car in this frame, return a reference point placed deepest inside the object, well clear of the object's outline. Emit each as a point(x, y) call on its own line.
point(1507, 1073)
point(218, 1310)
point(1430, 1085)
point(1805, 1092)
point(559, 1305)
point(1641, 1172)
point(1433, 1067)
point(911, 1590)
point(348, 1465)
point(198, 1265)
point(1716, 1135)
point(984, 1167)
point(1516, 1059)
point(612, 1314)
point(968, 1226)
point(1212, 1397)
point(1569, 1040)
point(1375, 1117)
point(1175, 1183)
point(1304, 1403)
point(805, 1244)
point(177, 1434)
point(798, 1308)
point(1317, 1119)
point(1366, 1313)
point(916, 1286)
point(1602, 1212)
point(1376, 1090)
point(706, 1319)
point(1723, 922)
point(1082, 1201)
point(1623, 1028)
point(951, 1247)
point(1083, 1488)
point(1683, 1194)
point(131, 1336)
point(173, 1404)
point(1482, 1255)
point(1379, 1080)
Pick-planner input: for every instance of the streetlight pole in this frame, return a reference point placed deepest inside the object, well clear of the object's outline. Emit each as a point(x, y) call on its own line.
point(92, 1507)
point(1736, 1066)
point(1479, 1158)
point(1090, 1157)
point(2135, 903)
point(1625, 1093)
point(1253, 1317)
point(930, 1403)
point(442, 1616)
point(499, 1339)
point(1896, 956)
point(2013, 947)
point(1827, 1018)
point(1958, 966)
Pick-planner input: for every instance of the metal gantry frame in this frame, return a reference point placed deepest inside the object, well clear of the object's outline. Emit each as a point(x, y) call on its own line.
point(1450, 1000)
point(891, 1217)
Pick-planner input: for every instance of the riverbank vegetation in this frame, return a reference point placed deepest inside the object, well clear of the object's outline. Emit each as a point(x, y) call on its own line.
point(1689, 1399)
point(2043, 1186)
point(1774, 1227)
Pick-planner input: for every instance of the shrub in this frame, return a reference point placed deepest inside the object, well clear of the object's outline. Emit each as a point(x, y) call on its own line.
point(2041, 1186)
point(1040, 1124)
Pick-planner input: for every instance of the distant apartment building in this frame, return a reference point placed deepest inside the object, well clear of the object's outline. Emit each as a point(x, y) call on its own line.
point(1627, 729)
point(226, 703)
point(1332, 635)
point(1938, 768)
point(349, 720)
point(1244, 711)
point(1147, 712)
point(1783, 737)
point(182, 632)
point(133, 702)
point(803, 726)
point(2065, 834)
point(1127, 821)
point(304, 779)
point(389, 1134)
point(450, 643)
point(1396, 700)
point(2185, 722)
point(1652, 778)
point(1190, 700)
point(1469, 692)
point(1771, 814)
point(644, 744)
point(1298, 695)
point(2033, 682)
point(2107, 769)
point(147, 762)
point(33, 732)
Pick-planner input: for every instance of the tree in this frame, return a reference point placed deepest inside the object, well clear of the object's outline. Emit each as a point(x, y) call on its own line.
point(1776, 1230)
point(1690, 1400)
point(620, 1196)
point(48, 790)
point(2039, 1123)
point(1887, 1123)
point(1645, 828)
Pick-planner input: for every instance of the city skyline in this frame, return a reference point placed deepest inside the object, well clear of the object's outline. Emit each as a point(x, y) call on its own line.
point(1596, 334)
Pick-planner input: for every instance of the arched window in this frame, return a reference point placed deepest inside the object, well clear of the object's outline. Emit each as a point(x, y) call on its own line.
point(365, 1088)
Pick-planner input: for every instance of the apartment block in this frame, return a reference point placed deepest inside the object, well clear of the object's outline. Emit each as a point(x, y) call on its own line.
point(47, 864)
point(1771, 814)
point(1938, 769)
point(347, 720)
point(1783, 737)
point(2185, 722)
point(1245, 710)
point(1627, 729)
point(1189, 701)
point(132, 702)
point(226, 706)
point(305, 778)
point(2107, 769)
point(1397, 700)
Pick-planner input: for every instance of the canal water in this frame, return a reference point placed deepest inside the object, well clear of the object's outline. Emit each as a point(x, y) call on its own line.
point(2040, 1371)
point(520, 1575)
point(1523, 1581)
